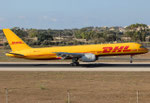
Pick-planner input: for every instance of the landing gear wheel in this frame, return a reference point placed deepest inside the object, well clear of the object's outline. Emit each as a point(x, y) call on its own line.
point(74, 62)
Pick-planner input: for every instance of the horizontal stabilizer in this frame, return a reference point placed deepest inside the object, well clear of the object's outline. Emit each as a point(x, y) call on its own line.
point(16, 54)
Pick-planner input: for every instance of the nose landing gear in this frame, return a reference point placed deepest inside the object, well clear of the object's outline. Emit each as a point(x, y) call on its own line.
point(131, 59)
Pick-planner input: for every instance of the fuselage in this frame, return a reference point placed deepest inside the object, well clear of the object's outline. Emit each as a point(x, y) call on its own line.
point(97, 49)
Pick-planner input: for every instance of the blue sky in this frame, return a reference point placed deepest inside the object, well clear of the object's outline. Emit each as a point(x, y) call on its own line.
point(66, 14)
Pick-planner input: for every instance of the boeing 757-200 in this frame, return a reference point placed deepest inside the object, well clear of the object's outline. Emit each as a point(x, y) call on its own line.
point(84, 53)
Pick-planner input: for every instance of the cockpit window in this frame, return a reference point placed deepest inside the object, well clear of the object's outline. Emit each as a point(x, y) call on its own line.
point(142, 46)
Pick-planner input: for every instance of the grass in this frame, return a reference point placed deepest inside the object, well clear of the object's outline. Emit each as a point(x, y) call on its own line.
point(43, 87)
point(84, 87)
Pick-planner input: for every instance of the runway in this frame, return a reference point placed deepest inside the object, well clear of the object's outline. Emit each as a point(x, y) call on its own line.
point(65, 66)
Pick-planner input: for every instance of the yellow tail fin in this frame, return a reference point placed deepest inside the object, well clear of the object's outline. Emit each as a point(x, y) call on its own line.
point(14, 41)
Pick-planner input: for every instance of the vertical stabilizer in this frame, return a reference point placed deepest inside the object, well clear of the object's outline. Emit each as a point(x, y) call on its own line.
point(14, 41)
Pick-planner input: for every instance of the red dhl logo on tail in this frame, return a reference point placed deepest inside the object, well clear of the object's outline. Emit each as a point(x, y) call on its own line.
point(16, 42)
point(116, 49)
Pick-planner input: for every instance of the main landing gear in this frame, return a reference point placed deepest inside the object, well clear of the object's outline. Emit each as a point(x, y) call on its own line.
point(75, 62)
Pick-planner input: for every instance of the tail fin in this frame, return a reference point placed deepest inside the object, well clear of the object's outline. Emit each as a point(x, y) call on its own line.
point(14, 41)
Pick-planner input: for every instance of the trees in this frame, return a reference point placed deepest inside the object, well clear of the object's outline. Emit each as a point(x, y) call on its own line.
point(137, 26)
point(32, 33)
point(44, 37)
point(137, 32)
point(20, 32)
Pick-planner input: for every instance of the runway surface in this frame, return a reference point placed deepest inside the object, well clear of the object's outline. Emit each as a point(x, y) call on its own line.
point(65, 66)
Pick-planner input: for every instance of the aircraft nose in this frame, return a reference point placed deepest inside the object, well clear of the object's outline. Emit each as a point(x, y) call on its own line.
point(146, 50)
point(143, 49)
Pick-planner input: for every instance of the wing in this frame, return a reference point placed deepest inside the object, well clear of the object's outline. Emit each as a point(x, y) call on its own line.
point(65, 55)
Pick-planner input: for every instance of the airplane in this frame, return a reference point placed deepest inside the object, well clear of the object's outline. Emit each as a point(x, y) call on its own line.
point(84, 53)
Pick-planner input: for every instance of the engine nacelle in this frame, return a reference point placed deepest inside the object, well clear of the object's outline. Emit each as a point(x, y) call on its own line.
point(88, 57)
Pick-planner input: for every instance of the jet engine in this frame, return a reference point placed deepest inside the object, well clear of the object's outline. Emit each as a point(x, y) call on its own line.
point(88, 57)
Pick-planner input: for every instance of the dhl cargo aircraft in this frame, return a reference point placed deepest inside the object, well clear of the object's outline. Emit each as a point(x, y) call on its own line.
point(84, 53)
